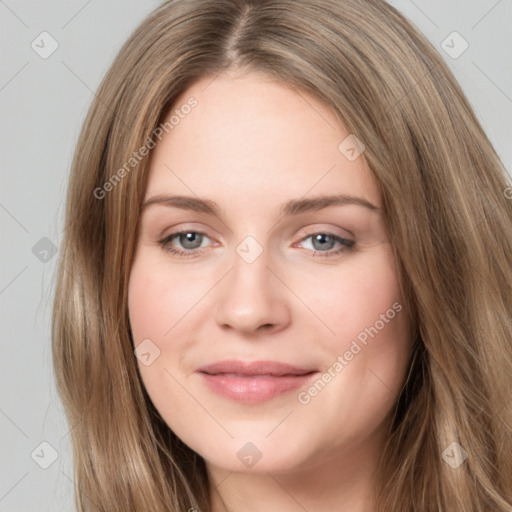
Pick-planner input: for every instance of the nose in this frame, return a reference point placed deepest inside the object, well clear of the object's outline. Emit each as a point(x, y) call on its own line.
point(251, 299)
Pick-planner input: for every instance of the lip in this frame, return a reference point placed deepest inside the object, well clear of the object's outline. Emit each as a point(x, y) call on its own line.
point(253, 381)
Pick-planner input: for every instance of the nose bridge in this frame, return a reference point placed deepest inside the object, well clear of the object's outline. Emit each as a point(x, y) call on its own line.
point(250, 269)
point(250, 297)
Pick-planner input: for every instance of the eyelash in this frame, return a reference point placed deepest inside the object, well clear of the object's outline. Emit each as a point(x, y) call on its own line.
point(346, 245)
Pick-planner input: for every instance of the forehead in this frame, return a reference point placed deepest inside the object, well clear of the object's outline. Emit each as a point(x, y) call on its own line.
point(251, 137)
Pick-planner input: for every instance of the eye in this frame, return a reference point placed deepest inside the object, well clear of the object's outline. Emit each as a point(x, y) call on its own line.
point(322, 244)
point(189, 241)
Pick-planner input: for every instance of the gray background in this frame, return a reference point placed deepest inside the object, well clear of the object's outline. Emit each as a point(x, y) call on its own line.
point(43, 102)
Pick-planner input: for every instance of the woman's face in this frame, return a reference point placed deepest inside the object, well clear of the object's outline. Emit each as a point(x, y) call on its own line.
point(271, 334)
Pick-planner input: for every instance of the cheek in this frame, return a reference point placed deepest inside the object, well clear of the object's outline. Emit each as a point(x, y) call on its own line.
point(144, 306)
point(352, 297)
point(165, 306)
point(362, 304)
point(364, 307)
point(159, 298)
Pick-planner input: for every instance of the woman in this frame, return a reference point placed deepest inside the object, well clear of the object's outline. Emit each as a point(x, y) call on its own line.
point(286, 280)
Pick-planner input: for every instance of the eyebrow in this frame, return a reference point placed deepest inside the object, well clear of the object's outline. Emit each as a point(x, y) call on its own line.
point(293, 207)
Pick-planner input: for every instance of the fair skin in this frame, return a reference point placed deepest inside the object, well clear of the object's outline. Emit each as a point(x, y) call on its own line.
point(251, 145)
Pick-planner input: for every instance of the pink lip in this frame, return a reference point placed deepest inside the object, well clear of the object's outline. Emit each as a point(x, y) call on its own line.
point(254, 381)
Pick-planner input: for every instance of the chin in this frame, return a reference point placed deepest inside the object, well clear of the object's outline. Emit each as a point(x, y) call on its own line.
point(254, 457)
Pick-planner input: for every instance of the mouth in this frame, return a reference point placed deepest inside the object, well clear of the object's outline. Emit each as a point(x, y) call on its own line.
point(254, 381)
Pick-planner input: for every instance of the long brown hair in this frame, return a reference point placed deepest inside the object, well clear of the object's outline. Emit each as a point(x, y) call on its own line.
point(447, 212)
